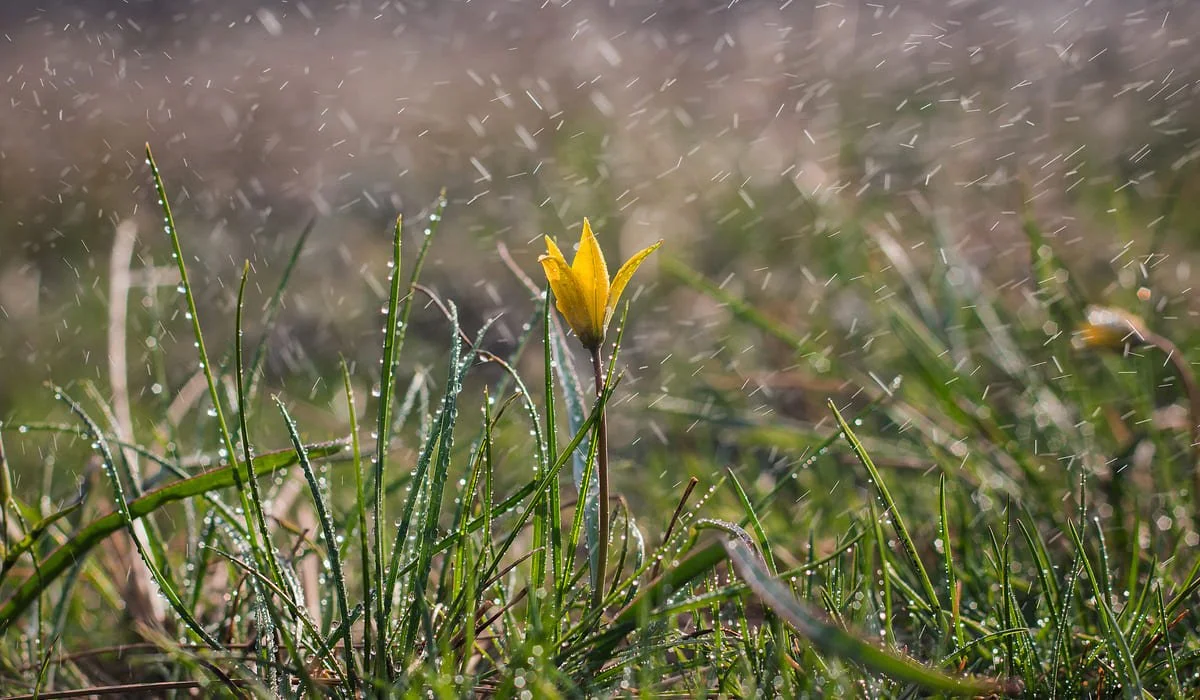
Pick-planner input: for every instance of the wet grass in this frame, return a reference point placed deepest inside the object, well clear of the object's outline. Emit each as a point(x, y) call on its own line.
point(948, 491)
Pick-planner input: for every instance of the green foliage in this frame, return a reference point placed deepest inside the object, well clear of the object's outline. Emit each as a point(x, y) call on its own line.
point(959, 519)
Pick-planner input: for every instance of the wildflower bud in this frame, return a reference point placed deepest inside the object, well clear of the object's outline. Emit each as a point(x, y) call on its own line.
point(1111, 328)
point(582, 291)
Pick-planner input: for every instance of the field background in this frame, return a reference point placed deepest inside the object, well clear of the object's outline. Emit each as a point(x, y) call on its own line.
point(838, 185)
point(733, 133)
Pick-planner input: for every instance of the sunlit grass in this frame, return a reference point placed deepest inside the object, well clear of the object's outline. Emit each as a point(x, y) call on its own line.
point(976, 503)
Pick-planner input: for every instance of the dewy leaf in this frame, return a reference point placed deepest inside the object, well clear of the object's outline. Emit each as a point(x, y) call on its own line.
point(35, 533)
point(697, 562)
point(95, 532)
point(576, 415)
point(902, 532)
point(834, 641)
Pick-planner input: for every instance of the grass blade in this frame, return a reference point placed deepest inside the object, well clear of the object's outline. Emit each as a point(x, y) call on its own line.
point(62, 558)
point(906, 541)
point(438, 475)
point(383, 434)
point(835, 641)
point(194, 316)
point(360, 507)
point(1114, 637)
point(331, 543)
point(127, 520)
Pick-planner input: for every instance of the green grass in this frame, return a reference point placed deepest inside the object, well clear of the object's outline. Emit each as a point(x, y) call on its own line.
point(964, 504)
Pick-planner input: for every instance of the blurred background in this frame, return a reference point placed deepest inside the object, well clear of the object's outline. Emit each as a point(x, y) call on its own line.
point(769, 143)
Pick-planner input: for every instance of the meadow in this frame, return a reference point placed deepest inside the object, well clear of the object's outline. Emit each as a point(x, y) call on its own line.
point(902, 406)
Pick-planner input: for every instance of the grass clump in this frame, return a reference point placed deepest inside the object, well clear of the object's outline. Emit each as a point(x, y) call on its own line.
point(924, 536)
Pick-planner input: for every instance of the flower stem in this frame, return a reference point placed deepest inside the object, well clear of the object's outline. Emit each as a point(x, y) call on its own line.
point(602, 481)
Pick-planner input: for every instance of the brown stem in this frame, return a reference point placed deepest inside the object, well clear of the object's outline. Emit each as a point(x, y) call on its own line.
point(602, 482)
point(687, 492)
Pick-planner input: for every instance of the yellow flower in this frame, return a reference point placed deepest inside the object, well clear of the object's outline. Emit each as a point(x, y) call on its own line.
point(582, 291)
point(1111, 328)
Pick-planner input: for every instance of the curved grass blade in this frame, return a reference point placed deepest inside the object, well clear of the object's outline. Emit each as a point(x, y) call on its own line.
point(1061, 646)
point(198, 561)
point(339, 632)
point(535, 489)
point(910, 549)
point(885, 582)
point(299, 613)
point(1165, 632)
point(1043, 569)
point(169, 468)
point(95, 532)
point(1115, 637)
point(35, 533)
point(558, 565)
point(254, 508)
point(331, 543)
point(251, 498)
point(598, 649)
point(981, 642)
point(835, 641)
point(725, 593)
point(127, 520)
point(764, 543)
point(634, 584)
point(194, 316)
point(552, 511)
point(458, 562)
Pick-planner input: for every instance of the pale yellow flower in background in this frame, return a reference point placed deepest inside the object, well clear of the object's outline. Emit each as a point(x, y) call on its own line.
point(583, 293)
point(1110, 328)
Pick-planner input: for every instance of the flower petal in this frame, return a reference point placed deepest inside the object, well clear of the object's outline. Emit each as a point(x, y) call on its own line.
point(622, 279)
point(592, 273)
point(569, 298)
point(553, 251)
